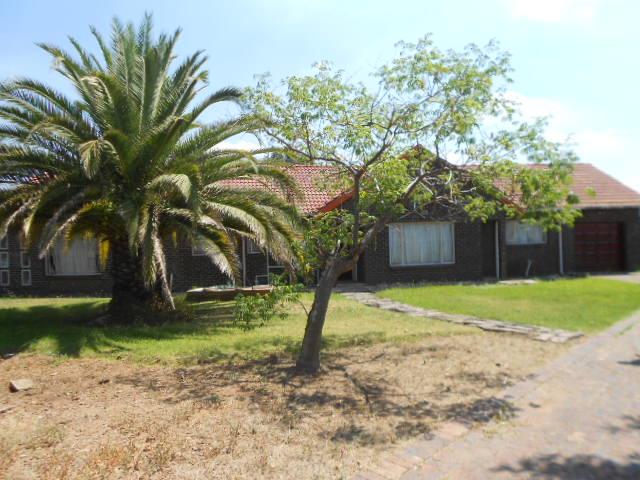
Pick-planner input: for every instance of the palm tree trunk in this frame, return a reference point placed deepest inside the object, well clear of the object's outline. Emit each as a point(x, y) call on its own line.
point(131, 298)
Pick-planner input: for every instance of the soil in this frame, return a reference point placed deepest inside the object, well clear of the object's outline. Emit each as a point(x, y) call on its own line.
point(88, 418)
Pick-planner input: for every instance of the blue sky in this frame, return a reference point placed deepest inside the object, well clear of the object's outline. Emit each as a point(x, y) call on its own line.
point(576, 60)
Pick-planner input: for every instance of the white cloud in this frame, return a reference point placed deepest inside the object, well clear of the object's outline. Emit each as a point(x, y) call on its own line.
point(609, 149)
point(599, 142)
point(238, 144)
point(578, 11)
point(559, 115)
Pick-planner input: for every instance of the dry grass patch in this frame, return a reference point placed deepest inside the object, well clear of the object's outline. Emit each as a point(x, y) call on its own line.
point(252, 419)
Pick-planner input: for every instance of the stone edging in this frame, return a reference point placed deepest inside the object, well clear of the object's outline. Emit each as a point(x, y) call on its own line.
point(537, 333)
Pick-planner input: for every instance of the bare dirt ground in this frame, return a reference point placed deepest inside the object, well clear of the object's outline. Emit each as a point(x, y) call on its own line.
point(110, 419)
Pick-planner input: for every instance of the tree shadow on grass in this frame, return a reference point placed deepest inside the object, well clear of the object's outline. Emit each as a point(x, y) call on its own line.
point(67, 330)
point(21, 328)
point(576, 467)
point(63, 327)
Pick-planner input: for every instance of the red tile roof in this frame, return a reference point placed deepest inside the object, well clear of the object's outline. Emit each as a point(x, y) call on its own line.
point(316, 197)
point(313, 182)
point(593, 187)
point(609, 192)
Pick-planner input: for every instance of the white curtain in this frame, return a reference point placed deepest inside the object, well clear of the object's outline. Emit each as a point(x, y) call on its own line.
point(524, 233)
point(81, 258)
point(421, 243)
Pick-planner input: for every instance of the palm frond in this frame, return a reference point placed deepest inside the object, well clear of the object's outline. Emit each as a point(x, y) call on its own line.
point(132, 160)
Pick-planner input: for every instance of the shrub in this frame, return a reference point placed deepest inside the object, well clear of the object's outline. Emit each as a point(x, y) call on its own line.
point(256, 310)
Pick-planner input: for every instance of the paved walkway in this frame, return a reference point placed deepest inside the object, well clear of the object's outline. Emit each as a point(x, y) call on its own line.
point(633, 277)
point(579, 418)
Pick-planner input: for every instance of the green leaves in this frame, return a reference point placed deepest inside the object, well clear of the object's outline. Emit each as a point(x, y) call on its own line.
point(92, 153)
point(251, 311)
point(434, 135)
point(168, 184)
point(130, 160)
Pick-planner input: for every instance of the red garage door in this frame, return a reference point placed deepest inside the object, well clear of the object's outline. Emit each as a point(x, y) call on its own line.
point(599, 247)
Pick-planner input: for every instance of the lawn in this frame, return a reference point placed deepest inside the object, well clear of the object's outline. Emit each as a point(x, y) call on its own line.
point(586, 304)
point(90, 416)
point(57, 326)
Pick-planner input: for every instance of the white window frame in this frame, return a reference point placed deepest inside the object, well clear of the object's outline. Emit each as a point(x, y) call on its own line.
point(5, 278)
point(252, 247)
point(524, 244)
point(4, 260)
point(403, 265)
point(197, 251)
point(26, 283)
point(25, 259)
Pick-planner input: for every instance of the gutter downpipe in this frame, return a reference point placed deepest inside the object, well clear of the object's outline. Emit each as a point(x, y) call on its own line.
point(497, 248)
point(560, 251)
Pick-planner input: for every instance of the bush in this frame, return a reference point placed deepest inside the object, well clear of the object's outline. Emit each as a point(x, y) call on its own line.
point(255, 311)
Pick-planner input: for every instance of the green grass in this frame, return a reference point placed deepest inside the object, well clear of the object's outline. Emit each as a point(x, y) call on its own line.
point(57, 326)
point(586, 304)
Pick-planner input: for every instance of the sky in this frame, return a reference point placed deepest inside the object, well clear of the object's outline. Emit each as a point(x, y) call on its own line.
point(576, 61)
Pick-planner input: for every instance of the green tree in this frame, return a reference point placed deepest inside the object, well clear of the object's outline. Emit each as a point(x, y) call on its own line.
point(389, 146)
point(130, 162)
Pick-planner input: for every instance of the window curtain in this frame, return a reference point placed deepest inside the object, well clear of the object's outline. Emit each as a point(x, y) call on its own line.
point(524, 234)
point(420, 243)
point(81, 258)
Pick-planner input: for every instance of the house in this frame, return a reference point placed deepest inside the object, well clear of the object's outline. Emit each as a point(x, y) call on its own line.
point(605, 238)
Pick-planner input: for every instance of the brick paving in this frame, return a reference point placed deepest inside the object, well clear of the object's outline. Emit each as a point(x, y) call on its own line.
point(578, 418)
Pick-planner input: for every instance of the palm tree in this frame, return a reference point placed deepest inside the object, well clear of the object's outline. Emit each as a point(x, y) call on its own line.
point(129, 163)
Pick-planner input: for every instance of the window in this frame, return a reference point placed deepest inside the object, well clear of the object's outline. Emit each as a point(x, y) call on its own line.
point(519, 233)
point(198, 251)
point(25, 263)
point(424, 243)
point(4, 259)
point(252, 247)
point(25, 259)
point(80, 258)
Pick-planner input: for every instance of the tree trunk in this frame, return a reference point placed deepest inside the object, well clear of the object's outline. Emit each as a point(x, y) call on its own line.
point(309, 357)
point(131, 298)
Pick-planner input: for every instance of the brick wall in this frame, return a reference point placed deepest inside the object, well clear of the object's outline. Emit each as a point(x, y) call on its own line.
point(471, 254)
point(376, 267)
point(188, 269)
point(185, 269)
point(43, 284)
point(544, 258)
